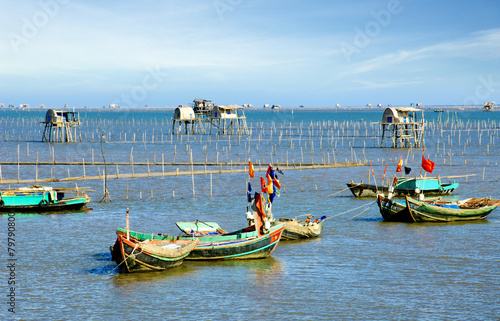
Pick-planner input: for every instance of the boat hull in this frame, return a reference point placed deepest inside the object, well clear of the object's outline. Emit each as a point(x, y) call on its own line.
point(71, 205)
point(392, 210)
point(422, 212)
point(131, 256)
point(295, 230)
point(248, 249)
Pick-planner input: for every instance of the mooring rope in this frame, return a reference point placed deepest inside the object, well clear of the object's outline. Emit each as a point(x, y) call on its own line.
point(353, 209)
point(132, 253)
point(366, 209)
point(345, 189)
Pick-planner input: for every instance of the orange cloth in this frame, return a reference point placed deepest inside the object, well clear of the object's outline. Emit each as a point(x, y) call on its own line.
point(251, 170)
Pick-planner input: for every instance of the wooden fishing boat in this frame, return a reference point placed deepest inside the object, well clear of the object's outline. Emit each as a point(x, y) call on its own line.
point(393, 210)
point(246, 243)
point(42, 199)
point(405, 186)
point(464, 210)
point(136, 255)
point(301, 229)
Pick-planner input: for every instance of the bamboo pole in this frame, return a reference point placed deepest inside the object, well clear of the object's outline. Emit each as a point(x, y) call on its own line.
point(192, 173)
point(18, 165)
point(128, 226)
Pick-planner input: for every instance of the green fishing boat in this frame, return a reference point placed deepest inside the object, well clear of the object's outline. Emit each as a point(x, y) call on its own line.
point(463, 210)
point(247, 243)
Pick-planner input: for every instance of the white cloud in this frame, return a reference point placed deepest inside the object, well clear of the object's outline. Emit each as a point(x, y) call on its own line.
point(382, 84)
point(483, 44)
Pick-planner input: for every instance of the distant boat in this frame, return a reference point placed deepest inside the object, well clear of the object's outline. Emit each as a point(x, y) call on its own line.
point(140, 255)
point(405, 186)
point(438, 110)
point(41, 199)
point(488, 106)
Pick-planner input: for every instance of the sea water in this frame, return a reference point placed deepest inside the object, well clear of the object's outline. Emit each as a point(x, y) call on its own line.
point(360, 268)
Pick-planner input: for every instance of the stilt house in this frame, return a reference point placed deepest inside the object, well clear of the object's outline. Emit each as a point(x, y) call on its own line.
point(404, 126)
point(229, 119)
point(61, 126)
point(186, 115)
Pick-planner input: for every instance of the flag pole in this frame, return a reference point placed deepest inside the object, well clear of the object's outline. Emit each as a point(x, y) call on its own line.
point(385, 170)
point(374, 178)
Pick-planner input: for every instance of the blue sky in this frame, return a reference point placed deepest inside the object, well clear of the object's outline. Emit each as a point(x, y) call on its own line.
point(312, 53)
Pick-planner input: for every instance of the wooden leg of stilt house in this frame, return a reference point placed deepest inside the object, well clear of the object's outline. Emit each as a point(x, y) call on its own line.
point(383, 136)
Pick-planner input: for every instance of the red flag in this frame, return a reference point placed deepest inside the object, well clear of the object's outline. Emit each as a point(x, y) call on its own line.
point(400, 163)
point(251, 171)
point(427, 164)
point(263, 185)
point(258, 205)
point(260, 214)
point(372, 169)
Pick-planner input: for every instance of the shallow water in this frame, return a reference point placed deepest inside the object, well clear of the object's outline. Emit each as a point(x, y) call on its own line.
point(360, 268)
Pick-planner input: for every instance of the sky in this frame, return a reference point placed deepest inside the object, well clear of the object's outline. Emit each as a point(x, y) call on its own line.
point(160, 53)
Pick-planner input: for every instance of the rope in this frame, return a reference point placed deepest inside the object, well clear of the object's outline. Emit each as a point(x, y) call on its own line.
point(118, 264)
point(345, 189)
point(366, 209)
point(371, 203)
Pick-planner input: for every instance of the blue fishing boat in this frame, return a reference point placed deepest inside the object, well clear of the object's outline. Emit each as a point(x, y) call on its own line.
point(40, 199)
point(405, 186)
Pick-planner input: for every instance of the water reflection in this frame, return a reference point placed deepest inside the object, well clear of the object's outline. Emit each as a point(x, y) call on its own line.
point(169, 275)
point(106, 256)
